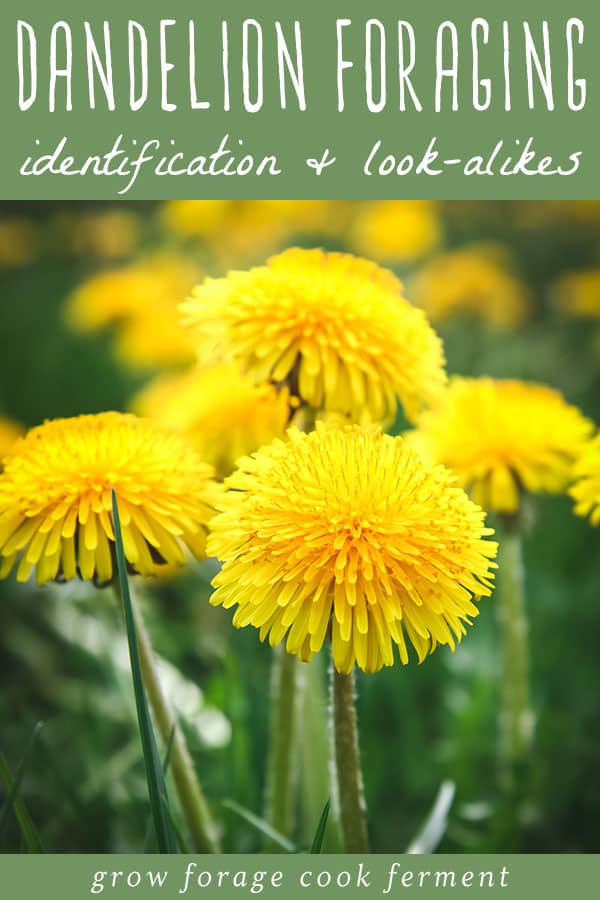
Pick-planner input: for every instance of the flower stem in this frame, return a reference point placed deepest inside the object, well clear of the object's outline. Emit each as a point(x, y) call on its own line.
point(191, 798)
point(315, 784)
point(282, 769)
point(348, 781)
point(516, 716)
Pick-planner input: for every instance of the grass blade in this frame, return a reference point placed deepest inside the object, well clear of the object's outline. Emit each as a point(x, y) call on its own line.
point(261, 825)
point(28, 830)
point(183, 848)
point(435, 825)
point(165, 836)
point(320, 832)
point(16, 785)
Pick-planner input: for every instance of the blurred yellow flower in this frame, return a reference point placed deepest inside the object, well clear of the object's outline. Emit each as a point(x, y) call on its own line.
point(473, 279)
point(322, 217)
point(19, 242)
point(256, 228)
point(195, 218)
point(55, 498)
point(535, 214)
point(141, 299)
point(335, 328)
point(221, 413)
point(155, 338)
point(106, 235)
point(579, 292)
point(502, 438)
point(586, 490)
point(396, 231)
point(240, 232)
point(346, 531)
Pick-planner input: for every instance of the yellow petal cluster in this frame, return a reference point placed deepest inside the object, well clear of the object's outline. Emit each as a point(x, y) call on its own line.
point(503, 437)
point(347, 532)
point(335, 328)
point(586, 490)
point(56, 507)
point(219, 411)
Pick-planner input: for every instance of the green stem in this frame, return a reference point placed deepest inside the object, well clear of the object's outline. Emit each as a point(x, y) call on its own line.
point(281, 768)
point(285, 705)
point(348, 782)
point(186, 782)
point(315, 782)
point(516, 716)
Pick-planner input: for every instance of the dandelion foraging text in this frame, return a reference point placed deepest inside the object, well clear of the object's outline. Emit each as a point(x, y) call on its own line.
point(253, 65)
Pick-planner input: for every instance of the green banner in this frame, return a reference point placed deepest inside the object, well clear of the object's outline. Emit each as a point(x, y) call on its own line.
point(427, 877)
point(277, 100)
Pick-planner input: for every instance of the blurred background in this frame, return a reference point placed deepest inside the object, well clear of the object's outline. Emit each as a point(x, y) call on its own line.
point(88, 297)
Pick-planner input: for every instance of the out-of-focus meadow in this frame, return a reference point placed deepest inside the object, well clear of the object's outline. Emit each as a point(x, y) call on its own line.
point(88, 318)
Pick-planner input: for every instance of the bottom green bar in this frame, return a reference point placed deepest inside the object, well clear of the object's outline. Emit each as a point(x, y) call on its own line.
point(300, 876)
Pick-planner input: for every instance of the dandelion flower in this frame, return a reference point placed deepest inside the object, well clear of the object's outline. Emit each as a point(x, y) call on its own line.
point(334, 327)
point(346, 531)
point(586, 490)
point(141, 301)
point(195, 218)
point(55, 498)
point(474, 279)
point(107, 235)
point(502, 438)
point(219, 411)
point(396, 231)
point(19, 242)
point(579, 292)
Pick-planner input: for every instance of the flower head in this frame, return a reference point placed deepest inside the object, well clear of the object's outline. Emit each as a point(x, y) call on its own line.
point(19, 242)
point(347, 530)
point(586, 490)
point(56, 506)
point(334, 327)
point(473, 279)
point(579, 292)
point(399, 231)
point(502, 438)
point(219, 411)
point(114, 234)
point(141, 300)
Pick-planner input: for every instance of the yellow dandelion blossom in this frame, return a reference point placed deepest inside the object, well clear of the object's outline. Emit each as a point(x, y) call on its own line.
point(502, 438)
point(579, 292)
point(195, 218)
point(396, 231)
point(304, 216)
point(55, 498)
point(141, 301)
point(346, 531)
point(107, 235)
point(19, 242)
point(474, 279)
point(154, 338)
point(336, 328)
point(221, 412)
point(586, 490)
